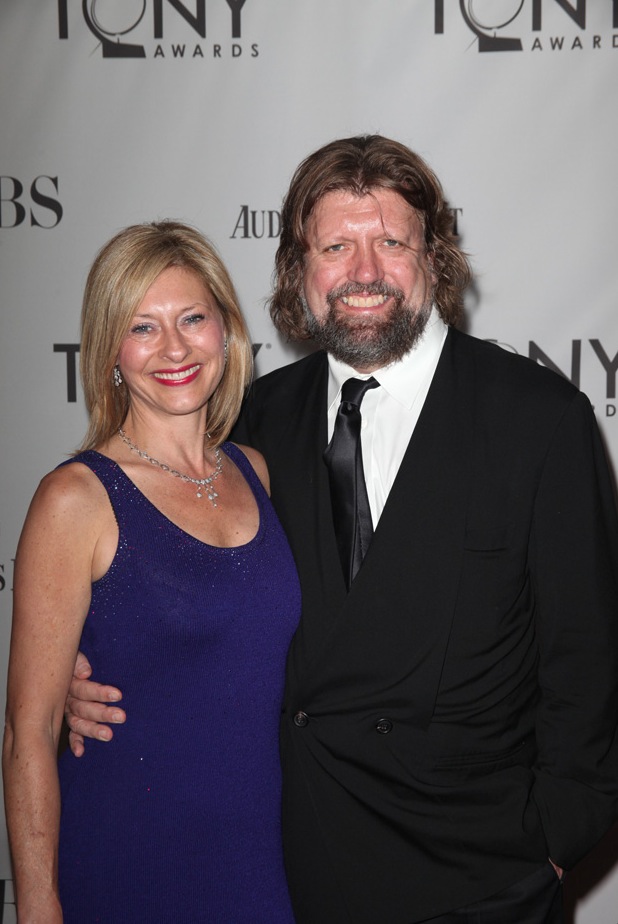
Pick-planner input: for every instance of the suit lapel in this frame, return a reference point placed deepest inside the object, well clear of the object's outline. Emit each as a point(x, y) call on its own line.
point(301, 495)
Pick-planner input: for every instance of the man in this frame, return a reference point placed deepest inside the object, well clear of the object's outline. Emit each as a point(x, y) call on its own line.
point(448, 733)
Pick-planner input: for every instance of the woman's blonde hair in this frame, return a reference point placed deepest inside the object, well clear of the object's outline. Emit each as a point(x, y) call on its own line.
point(119, 278)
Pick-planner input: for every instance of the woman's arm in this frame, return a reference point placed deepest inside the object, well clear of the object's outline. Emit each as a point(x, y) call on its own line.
point(53, 573)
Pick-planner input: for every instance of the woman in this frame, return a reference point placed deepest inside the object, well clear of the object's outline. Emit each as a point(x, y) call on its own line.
point(156, 551)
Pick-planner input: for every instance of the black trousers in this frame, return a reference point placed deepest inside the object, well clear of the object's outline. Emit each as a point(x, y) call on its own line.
point(537, 899)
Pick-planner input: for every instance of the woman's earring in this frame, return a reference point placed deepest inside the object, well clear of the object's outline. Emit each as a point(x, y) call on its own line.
point(225, 351)
point(117, 376)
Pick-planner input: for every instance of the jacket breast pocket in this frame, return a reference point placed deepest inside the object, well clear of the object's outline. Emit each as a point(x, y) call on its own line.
point(494, 581)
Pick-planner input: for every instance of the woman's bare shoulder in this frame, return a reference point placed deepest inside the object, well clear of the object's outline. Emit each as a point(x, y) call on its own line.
point(69, 491)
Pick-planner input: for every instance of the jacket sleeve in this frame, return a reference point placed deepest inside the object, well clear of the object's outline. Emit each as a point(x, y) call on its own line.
point(574, 565)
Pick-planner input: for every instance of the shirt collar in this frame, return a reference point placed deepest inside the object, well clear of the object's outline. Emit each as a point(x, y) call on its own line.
point(401, 379)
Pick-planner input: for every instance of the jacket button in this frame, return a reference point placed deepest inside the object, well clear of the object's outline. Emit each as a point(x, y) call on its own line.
point(384, 726)
point(301, 719)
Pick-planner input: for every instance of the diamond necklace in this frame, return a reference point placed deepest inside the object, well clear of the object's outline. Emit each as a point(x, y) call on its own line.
point(206, 483)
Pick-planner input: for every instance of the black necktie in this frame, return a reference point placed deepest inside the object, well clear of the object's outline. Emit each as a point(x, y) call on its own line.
point(343, 456)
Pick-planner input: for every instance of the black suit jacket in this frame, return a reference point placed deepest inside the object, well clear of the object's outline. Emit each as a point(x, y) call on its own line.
point(451, 722)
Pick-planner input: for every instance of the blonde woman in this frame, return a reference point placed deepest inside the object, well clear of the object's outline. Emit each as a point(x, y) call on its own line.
point(155, 551)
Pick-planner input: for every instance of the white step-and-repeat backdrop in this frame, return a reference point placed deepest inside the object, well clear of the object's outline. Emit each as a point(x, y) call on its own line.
point(119, 111)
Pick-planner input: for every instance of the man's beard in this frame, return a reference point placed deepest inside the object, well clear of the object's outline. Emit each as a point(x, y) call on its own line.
point(368, 343)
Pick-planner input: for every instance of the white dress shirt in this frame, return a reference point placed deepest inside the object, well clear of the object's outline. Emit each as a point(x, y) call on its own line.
point(389, 413)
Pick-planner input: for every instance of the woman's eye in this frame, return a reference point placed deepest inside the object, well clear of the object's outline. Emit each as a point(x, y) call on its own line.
point(194, 318)
point(141, 329)
point(391, 243)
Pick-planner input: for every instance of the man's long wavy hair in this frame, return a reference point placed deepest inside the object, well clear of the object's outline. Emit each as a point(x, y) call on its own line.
point(360, 165)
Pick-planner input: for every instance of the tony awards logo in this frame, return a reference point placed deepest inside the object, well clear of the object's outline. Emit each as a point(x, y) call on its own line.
point(127, 28)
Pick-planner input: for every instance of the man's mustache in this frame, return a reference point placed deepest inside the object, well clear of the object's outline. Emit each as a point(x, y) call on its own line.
point(379, 287)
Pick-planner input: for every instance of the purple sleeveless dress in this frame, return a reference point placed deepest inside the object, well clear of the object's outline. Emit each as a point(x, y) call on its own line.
point(177, 819)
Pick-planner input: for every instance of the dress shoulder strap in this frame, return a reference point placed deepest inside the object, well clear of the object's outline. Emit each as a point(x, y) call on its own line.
point(242, 462)
point(124, 497)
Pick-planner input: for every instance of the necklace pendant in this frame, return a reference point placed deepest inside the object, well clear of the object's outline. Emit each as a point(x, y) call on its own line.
point(202, 483)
